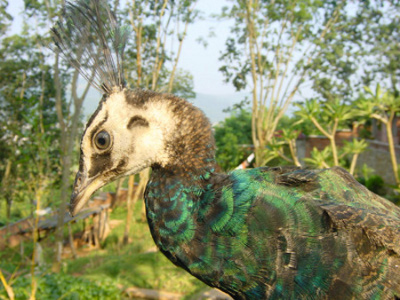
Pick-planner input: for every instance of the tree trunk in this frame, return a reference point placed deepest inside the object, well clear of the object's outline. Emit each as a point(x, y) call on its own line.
point(114, 200)
point(59, 234)
point(8, 206)
point(391, 148)
point(6, 189)
point(334, 149)
point(71, 241)
point(293, 152)
point(68, 137)
point(353, 163)
point(36, 249)
point(129, 204)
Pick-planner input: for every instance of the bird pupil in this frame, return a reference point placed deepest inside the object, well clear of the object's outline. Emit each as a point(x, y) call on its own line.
point(102, 141)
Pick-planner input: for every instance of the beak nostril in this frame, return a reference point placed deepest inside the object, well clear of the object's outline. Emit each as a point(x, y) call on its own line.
point(78, 180)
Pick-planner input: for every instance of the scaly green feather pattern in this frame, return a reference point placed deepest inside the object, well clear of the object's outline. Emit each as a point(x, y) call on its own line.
point(273, 233)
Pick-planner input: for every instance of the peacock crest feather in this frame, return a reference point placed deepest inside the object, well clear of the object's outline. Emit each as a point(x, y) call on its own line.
point(91, 40)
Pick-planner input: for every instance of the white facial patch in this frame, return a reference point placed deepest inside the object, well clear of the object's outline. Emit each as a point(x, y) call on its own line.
point(140, 146)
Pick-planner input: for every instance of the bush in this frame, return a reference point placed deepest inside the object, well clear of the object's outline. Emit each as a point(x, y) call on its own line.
point(374, 183)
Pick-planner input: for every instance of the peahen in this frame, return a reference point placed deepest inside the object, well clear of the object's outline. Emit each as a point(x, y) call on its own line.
point(265, 233)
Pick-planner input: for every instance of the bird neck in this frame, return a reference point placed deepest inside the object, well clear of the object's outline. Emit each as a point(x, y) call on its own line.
point(174, 190)
point(172, 198)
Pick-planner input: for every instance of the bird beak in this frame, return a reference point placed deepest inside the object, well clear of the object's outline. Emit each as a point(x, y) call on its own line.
point(84, 187)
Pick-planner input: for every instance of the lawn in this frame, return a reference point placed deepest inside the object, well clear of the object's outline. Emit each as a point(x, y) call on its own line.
point(101, 273)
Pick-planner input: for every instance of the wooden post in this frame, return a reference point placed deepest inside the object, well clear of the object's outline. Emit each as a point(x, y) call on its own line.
point(95, 230)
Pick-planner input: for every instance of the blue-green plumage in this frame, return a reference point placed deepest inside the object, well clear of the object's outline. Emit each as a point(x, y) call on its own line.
point(279, 233)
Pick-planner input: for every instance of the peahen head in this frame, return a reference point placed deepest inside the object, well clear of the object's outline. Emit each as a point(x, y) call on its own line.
point(133, 130)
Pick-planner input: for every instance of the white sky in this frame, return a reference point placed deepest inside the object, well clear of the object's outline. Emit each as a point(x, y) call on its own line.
point(203, 62)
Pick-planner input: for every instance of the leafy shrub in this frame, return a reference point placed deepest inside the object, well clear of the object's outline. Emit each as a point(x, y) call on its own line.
point(230, 134)
point(374, 183)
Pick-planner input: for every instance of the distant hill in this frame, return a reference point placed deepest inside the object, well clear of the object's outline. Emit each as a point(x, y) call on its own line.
point(211, 105)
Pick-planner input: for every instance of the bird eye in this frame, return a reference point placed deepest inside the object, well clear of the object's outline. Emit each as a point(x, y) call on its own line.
point(102, 140)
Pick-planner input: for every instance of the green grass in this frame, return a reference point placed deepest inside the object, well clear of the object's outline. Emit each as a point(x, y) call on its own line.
point(133, 264)
point(101, 271)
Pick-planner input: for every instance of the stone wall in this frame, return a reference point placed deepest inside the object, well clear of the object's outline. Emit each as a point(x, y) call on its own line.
point(376, 156)
point(320, 142)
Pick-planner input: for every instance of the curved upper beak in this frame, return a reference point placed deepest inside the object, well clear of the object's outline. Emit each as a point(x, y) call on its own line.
point(84, 187)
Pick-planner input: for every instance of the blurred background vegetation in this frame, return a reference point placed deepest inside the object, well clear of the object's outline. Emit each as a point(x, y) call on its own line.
point(311, 70)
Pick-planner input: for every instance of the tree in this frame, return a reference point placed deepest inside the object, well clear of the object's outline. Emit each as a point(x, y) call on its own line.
point(326, 117)
point(160, 28)
point(382, 106)
point(319, 159)
point(27, 119)
point(362, 51)
point(378, 31)
point(5, 17)
point(356, 147)
point(335, 71)
point(287, 136)
point(231, 137)
point(271, 46)
point(46, 13)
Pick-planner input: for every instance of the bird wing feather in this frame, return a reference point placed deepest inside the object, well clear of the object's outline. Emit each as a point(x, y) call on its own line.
point(311, 231)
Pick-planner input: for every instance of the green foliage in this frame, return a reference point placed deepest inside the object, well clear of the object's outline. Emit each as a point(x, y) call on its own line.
point(366, 172)
point(327, 116)
point(374, 183)
point(377, 103)
point(354, 147)
point(99, 274)
point(379, 30)
point(183, 85)
point(382, 106)
point(152, 54)
point(287, 24)
point(64, 286)
point(28, 123)
point(270, 46)
point(304, 126)
point(137, 264)
point(230, 135)
point(363, 50)
point(282, 148)
point(5, 17)
point(320, 159)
